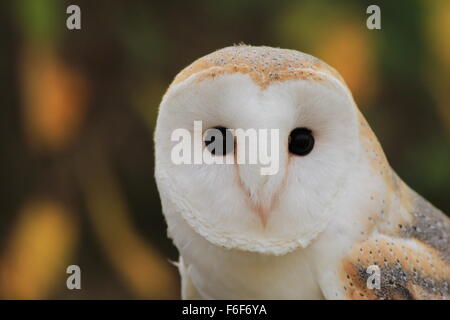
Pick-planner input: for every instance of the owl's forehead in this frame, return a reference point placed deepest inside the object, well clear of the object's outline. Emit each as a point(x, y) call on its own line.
point(264, 65)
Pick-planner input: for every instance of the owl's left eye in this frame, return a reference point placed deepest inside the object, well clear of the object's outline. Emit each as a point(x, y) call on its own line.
point(219, 140)
point(301, 141)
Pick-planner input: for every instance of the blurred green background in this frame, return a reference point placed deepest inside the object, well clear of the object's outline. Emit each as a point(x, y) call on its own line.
point(78, 110)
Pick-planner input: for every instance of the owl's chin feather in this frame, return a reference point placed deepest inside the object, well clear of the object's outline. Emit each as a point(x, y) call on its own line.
point(178, 210)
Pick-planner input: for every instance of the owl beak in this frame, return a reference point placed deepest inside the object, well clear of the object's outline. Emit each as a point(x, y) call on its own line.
point(259, 189)
point(263, 215)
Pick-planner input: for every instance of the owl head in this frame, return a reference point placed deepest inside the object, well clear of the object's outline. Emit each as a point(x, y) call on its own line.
point(318, 148)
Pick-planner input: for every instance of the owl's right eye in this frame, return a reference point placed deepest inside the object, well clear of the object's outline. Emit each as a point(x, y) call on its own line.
point(219, 141)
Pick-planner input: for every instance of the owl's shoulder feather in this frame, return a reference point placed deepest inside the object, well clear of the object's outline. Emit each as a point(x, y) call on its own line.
point(413, 256)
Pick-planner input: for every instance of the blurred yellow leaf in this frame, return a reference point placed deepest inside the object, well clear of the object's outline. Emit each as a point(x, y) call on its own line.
point(336, 34)
point(438, 21)
point(438, 69)
point(38, 251)
point(55, 98)
point(347, 48)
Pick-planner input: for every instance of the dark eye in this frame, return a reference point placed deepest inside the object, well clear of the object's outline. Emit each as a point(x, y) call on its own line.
point(301, 141)
point(219, 141)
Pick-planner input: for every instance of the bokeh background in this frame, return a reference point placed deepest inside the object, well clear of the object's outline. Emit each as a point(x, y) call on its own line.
point(78, 110)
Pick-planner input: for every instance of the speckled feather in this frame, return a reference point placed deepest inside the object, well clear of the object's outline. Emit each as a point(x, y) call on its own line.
point(408, 238)
point(264, 65)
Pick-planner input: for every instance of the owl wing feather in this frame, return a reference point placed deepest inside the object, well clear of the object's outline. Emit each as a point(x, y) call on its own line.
point(413, 258)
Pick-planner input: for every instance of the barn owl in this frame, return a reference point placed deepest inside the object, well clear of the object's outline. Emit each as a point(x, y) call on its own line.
point(334, 210)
